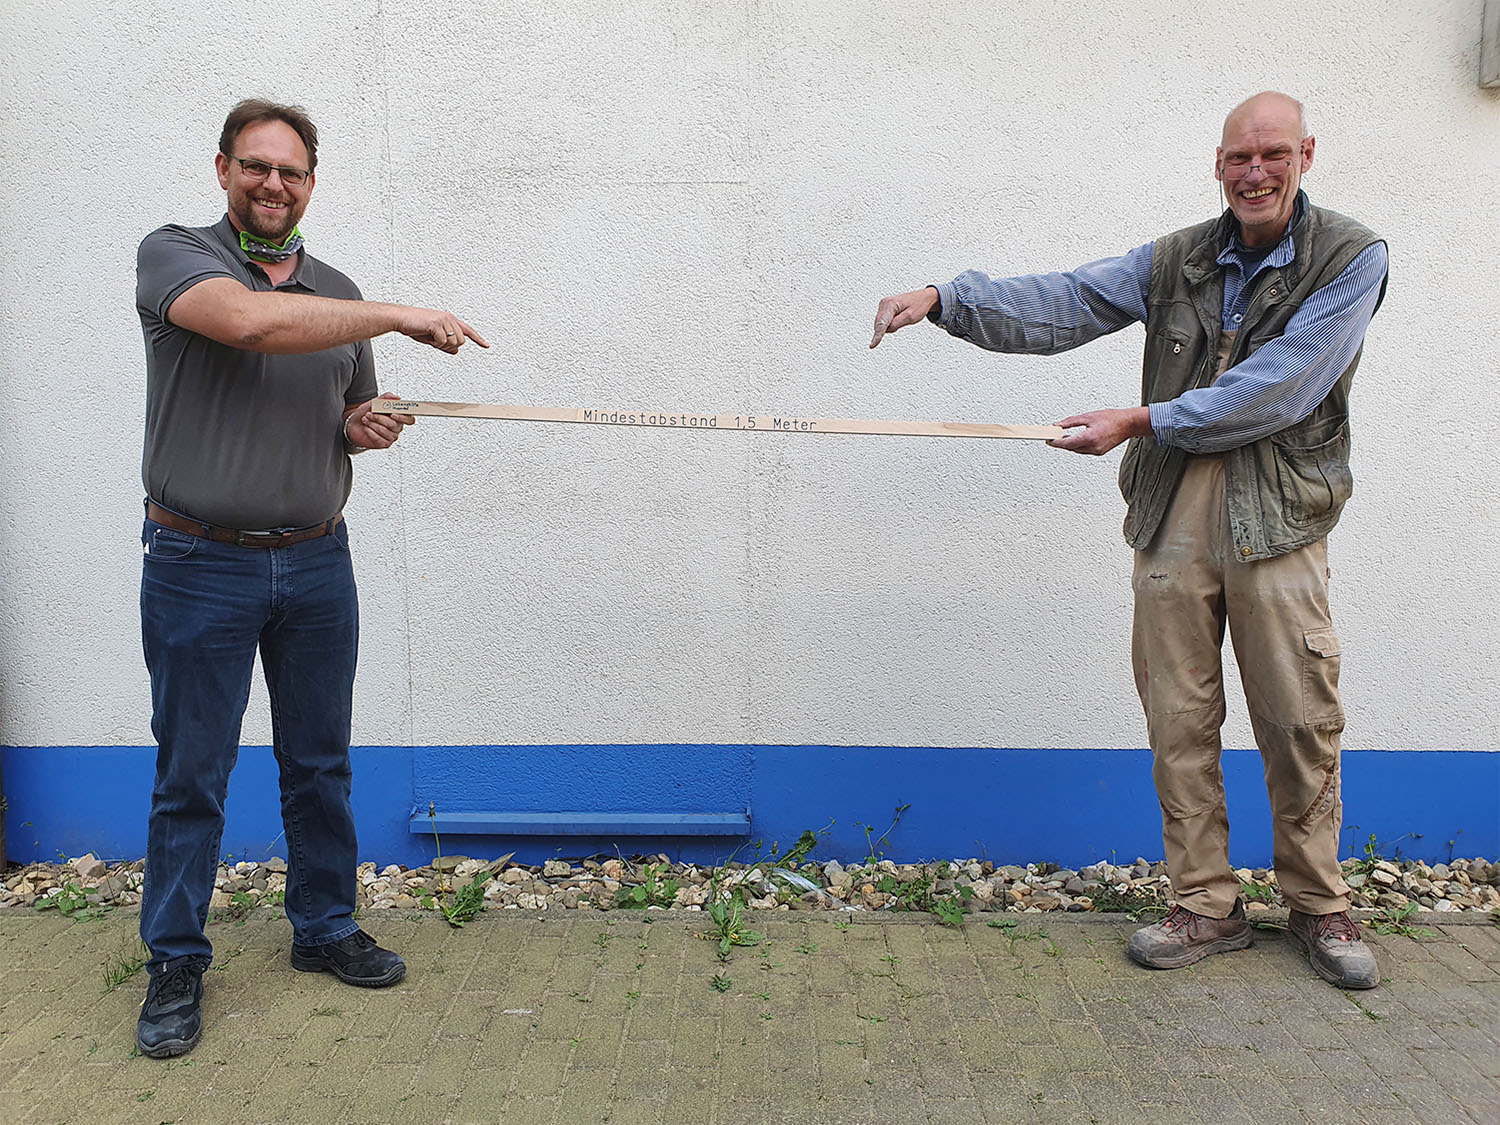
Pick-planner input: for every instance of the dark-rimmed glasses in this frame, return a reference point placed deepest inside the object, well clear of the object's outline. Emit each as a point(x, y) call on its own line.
point(260, 170)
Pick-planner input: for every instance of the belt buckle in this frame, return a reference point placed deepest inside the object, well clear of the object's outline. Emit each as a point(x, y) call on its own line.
point(260, 538)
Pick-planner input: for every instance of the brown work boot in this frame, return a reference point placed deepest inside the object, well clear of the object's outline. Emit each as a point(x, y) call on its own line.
point(1183, 937)
point(1334, 947)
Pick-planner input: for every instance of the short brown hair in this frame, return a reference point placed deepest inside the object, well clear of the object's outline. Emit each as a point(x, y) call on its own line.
point(251, 111)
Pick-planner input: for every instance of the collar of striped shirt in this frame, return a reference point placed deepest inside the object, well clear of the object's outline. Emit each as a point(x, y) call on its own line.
point(1236, 253)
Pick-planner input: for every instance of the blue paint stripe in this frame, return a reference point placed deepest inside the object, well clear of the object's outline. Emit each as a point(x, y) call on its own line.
point(1007, 805)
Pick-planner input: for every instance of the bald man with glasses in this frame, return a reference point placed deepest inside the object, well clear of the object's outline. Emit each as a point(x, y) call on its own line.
point(1236, 470)
point(259, 384)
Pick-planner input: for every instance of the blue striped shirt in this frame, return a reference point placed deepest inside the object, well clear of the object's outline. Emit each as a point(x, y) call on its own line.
point(1275, 387)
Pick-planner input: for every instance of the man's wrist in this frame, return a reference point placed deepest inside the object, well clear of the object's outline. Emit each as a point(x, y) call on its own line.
point(935, 313)
point(351, 446)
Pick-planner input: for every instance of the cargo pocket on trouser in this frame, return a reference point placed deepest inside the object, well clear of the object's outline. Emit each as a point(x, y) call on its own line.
point(1320, 677)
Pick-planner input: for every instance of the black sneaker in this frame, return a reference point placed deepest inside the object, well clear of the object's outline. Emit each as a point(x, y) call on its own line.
point(171, 1019)
point(355, 959)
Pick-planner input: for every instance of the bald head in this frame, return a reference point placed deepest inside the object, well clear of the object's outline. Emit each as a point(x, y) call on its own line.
point(1273, 109)
point(1264, 152)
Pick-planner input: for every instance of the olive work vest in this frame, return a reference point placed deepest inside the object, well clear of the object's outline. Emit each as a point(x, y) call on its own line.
point(1285, 490)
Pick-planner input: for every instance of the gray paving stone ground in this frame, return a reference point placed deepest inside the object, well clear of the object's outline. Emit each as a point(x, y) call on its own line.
point(578, 1017)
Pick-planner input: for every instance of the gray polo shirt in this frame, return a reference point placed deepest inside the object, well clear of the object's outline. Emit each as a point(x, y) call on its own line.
point(233, 437)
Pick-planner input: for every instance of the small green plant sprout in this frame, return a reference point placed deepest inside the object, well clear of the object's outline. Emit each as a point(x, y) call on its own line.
point(803, 847)
point(1016, 935)
point(1453, 843)
point(728, 916)
point(240, 905)
point(949, 911)
point(468, 901)
point(806, 947)
point(918, 895)
point(654, 889)
point(1373, 852)
point(1393, 920)
point(1002, 923)
point(120, 967)
point(75, 902)
point(721, 982)
point(875, 849)
point(1135, 903)
point(842, 924)
point(1260, 892)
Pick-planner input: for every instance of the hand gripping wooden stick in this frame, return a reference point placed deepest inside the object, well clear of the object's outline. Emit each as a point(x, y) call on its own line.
point(685, 420)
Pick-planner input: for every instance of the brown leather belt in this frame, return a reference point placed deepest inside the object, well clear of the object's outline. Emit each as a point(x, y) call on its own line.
point(156, 512)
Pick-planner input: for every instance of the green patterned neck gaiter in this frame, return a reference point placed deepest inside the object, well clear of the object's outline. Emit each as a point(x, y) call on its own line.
point(263, 250)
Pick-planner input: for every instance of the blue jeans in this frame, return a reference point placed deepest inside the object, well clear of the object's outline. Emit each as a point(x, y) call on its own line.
point(205, 608)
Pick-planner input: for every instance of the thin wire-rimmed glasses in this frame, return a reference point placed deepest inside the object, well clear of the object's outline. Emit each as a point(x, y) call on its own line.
point(260, 170)
point(1233, 171)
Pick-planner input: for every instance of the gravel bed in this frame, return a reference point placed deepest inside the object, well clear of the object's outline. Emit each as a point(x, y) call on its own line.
point(1140, 888)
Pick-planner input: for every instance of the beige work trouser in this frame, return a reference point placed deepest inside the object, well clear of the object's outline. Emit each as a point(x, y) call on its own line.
point(1187, 583)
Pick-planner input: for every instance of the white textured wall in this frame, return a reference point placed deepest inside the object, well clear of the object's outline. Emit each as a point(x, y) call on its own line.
point(698, 205)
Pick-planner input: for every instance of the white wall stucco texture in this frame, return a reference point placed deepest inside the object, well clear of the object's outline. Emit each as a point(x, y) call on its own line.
point(697, 206)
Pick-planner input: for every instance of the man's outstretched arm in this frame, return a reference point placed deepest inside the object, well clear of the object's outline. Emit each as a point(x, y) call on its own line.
point(224, 310)
point(1038, 314)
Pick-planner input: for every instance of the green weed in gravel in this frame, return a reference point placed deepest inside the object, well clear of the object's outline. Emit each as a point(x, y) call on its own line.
point(75, 902)
point(1393, 920)
point(468, 901)
point(653, 890)
point(1134, 902)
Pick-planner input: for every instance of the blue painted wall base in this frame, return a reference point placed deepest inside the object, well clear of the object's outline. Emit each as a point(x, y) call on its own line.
point(1011, 806)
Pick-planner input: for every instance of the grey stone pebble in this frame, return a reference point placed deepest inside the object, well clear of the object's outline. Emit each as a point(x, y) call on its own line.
point(561, 884)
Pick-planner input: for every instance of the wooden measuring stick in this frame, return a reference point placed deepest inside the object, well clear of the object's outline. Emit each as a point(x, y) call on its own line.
point(686, 420)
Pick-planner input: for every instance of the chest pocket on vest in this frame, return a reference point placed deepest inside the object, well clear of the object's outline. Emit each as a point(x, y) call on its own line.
point(1271, 308)
point(1170, 355)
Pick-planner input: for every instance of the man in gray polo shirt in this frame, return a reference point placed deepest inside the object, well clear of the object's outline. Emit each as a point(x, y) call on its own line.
point(259, 382)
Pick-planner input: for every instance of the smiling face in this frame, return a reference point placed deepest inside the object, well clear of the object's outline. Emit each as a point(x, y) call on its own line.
point(1261, 161)
point(266, 208)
